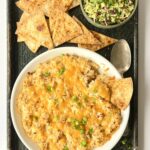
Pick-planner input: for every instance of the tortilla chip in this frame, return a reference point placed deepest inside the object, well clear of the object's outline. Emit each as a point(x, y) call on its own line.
point(74, 4)
point(101, 89)
point(86, 38)
point(33, 28)
point(63, 5)
point(31, 43)
point(46, 7)
point(122, 91)
point(20, 38)
point(26, 5)
point(93, 47)
point(103, 39)
point(32, 6)
point(63, 27)
point(109, 80)
point(33, 46)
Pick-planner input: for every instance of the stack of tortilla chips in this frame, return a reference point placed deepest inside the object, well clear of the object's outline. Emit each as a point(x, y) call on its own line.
point(35, 30)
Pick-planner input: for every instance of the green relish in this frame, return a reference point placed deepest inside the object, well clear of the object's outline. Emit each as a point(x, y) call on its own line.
point(108, 12)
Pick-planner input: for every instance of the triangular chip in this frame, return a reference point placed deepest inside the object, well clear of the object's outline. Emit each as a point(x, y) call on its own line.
point(33, 46)
point(26, 5)
point(63, 27)
point(93, 47)
point(33, 28)
point(32, 6)
point(122, 91)
point(31, 43)
point(109, 80)
point(100, 88)
point(74, 4)
point(63, 5)
point(20, 38)
point(103, 39)
point(46, 7)
point(86, 38)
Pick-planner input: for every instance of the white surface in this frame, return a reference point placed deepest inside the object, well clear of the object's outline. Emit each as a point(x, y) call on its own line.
point(101, 61)
point(144, 75)
point(3, 83)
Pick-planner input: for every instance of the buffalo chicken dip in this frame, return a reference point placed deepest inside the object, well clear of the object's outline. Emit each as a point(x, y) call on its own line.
point(65, 105)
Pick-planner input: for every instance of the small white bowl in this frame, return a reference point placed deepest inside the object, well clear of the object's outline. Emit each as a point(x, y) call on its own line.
point(47, 56)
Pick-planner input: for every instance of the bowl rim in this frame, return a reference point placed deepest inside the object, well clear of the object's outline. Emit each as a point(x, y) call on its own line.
point(40, 58)
point(109, 26)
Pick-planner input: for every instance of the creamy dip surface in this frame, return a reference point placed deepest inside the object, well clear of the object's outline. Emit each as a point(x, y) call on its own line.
point(64, 105)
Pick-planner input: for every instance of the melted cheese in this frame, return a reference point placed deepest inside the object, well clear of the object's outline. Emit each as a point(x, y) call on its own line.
point(62, 90)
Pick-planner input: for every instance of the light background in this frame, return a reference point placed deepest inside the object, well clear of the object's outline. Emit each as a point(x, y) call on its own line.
point(144, 74)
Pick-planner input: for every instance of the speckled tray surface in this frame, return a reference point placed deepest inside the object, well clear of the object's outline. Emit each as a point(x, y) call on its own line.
point(19, 55)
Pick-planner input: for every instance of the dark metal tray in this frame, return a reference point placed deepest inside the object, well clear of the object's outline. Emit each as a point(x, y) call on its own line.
point(19, 55)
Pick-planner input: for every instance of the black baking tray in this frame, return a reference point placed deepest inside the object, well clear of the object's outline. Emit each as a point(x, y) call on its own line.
point(19, 55)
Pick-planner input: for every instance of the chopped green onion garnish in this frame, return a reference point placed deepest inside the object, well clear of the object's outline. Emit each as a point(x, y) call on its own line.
point(75, 98)
point(124, 141)
point(90, 132)
point(84, 121)
point(74, 122)
point(61, 71)
point(49, 88)
point(65, 147)
point(46, 74)
point(129, 147)
point(84, 143)
point(79, 125)
point(126, 144)
point(82, 131)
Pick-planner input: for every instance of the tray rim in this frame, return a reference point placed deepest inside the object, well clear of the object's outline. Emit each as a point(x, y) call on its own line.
point(9, 72)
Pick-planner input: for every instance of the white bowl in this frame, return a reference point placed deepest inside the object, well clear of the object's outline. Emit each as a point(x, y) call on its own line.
point(49, 55)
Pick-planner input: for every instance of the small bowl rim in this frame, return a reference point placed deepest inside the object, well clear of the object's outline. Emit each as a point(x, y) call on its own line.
point(98, 25)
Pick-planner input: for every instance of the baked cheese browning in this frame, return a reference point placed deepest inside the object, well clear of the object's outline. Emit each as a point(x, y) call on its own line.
point(64, 106)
